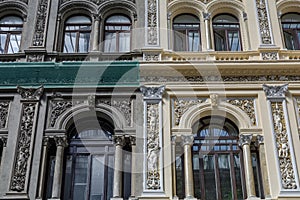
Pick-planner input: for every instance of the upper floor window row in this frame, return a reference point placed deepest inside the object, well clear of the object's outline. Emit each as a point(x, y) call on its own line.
point(10, 34)
point(291, 30)
point(225, 27)
point(77, 34)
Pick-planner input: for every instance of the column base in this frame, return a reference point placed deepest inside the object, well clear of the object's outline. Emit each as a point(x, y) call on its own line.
point(132, 198)
point(175, 198)
point(253, 198)
point(116, 198)
point(190, 198)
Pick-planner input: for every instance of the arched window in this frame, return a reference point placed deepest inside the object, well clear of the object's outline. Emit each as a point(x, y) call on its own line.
point(117, 34)
point(291, 30)
point(77, 34)
point(226, 31)
point(186, 33)
point(10, 34)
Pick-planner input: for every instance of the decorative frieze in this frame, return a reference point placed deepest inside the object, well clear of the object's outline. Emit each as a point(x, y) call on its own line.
point(246, 105)
point(269, 55)
point(283, 148)
point(30, 93)
point(151, 57)
point(181, 105)
point(263, 19)
point(41, 17)
point(23, 147)
point(152, 22)
point(122, 104)
point(4, 106)
point(275, 91)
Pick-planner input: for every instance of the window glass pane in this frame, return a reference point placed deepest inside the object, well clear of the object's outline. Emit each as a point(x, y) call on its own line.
point(225, 176)
point(14, 43)
point(194, 40)
point(291, 17)
point(110, 42)
point(124, 42)
point(127, 174)
point(70, 42)
point(84, 40)
point(179, 172)
point(289, 41)
point(50, 176)
point(196, 173)
point(237, 170)
point(2, 42)
point(78, 20)
point(225, 19)
point(186, 19)
point(97, 178)
point(179, 40)
point(110, 177)
point(67, 178)
point(234, 41)
point(11, 20)
point(118, 19)
point(219, 41)
point(80, 177)
point(209, 177)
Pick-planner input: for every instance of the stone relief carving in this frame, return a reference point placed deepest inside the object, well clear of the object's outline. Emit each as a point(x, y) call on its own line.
point(263, 20)
point(4, 140)
point(35, 58)
point(39, 33)
point(275, 91)
point(152, 92)
point(281, 136)
point(269, 55)
point(245, 139)
point(57, 108)
point(182, 105)
point(23, 147)
point(246, 105)
point(153, 148)
point(31, 93)
point(123, 105)
point(152, 25)
point(4, 106)
point(151, 57)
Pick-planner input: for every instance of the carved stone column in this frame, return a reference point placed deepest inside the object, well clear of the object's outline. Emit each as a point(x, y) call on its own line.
point(173, 143)
point(206, 17)
point(153, 160)
point(282, 138)
point(61, 143)
point(96, 32)
point(244, 142)
point(187, 142)
point(133, 166)
point(43, 168)
point(118, 167)
point(263, 165)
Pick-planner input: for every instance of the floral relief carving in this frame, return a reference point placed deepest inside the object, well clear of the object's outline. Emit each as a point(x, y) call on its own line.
point(263, 20)
point(246, 105)
point(151, 57)
point(39, 33)
point(23, 147)
point(153, 148)
point(4, 105)
point(285, 162)
point(152, 26)
point(57, 108)
point(30, 93)
point(122, 105)
point(182, 105)
point(269, 55)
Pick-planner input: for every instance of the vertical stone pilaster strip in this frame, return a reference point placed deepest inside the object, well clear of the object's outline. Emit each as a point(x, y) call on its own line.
point(244, 142)
point(264, 22)
point(133, 166)
point(152, 19)
point(282, 137)
point(43, 168)
point(118, 166)
point(25, 140)
point(61, 143)
point(173, 149)
point(40, 24)
point(263, 164)
point(206, 17)
point(153, 165)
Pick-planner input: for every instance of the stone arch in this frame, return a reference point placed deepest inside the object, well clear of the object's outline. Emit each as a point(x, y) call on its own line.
point(237, 116)
point(288, 6)
point(14, 8)
point(76, 8)
point(110, 114)
point(176, 8)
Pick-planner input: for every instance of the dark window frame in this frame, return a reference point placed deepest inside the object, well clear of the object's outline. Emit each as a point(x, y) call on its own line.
point(293, 32)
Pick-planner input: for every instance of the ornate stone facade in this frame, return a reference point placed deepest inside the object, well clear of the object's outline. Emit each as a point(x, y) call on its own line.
point(39, 33)
point(152, 22)
point(4, 106)
point(263, 19)
point(57, 108)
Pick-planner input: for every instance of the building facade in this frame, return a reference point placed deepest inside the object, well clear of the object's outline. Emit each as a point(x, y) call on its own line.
point(149, 99)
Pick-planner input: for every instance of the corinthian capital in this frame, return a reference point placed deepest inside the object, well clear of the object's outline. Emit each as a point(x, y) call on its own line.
point(245, 139)
point(119, 140)
point(61, 141)
point(152, 92)
point(275, 91)
point(187, 140)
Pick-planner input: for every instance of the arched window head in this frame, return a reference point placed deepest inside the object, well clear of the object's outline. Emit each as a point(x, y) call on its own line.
point(117, 34)
point(291, 30)
point(186, 29)
point(77, 34)
point(226, 31)
point(10, 34)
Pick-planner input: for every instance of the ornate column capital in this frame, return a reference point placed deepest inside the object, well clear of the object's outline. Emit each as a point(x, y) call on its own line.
point(275, 91)
point(245, 139)
point(206, 16)
point(260, 140)
point(96, 17)
point(119, 140)
point(132, 140)
point(31, 93)
point(46, 141)
point(61, 141)
point(4, 140)
point(152, 92)
point(187, 140)
point(173, 139)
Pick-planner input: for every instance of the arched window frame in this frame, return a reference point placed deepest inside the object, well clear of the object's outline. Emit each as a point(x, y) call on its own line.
point(9, 32)
point(291, 31)
point(111, 45)
point(189, 32)
point(77, 30)
point(225, 29)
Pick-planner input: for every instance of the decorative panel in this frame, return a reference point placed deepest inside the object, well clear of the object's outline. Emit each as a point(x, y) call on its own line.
point(4, 107)
point(263, 20)
point(40, 24)
point(152, 22)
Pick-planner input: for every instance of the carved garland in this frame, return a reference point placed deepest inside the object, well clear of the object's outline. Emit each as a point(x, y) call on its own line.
point(23, 147)
point(39, 33)
point(246, 105)
point(153, 149)
point(263, 20)
point(285, 162)
point(152, 25)
point(4, 105)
